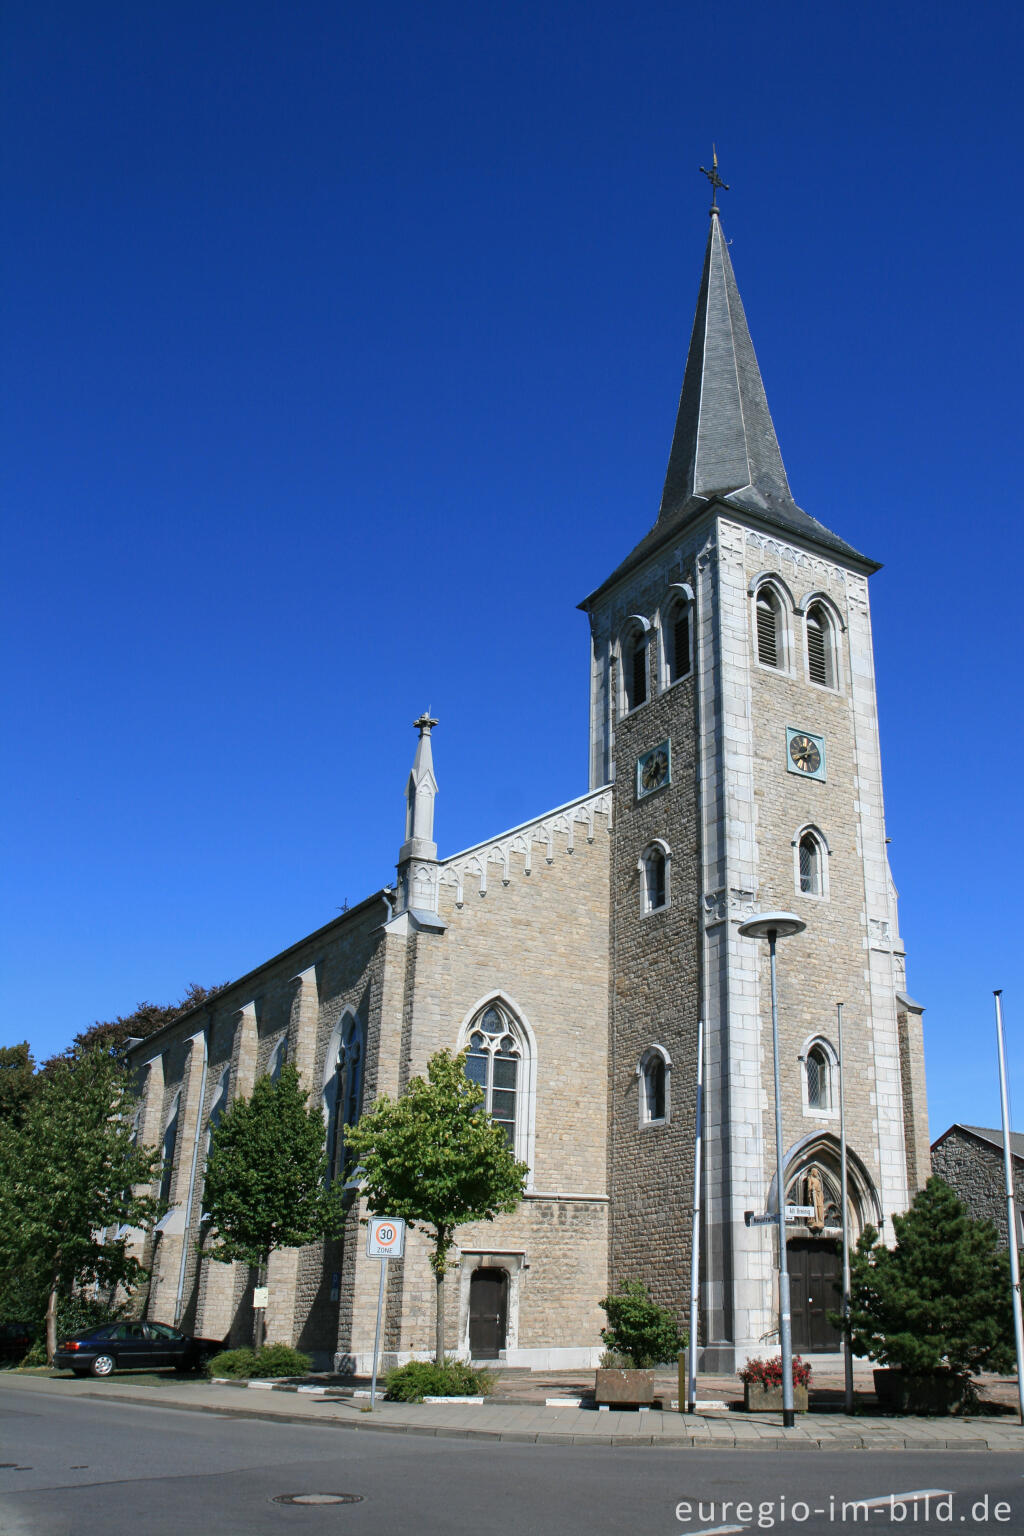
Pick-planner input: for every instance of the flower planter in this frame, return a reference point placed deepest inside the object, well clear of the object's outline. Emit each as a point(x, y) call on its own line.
point(934, 1393)
point(624, 1389)
point(758, 1399)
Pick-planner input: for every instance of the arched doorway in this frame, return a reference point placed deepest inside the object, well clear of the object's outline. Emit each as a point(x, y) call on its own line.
point(488, 1312)
point(814, 1249)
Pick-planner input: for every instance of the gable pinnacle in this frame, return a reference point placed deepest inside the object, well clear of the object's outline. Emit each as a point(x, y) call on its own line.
point(424, 724)
point(716, 182)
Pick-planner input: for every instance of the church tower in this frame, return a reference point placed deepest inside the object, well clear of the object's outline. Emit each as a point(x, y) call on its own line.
point(733, 710)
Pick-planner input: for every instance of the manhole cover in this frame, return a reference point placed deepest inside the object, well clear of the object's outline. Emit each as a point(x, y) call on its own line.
point(318, 1498)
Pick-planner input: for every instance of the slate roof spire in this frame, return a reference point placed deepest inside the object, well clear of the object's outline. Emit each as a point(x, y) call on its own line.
point(724, 442)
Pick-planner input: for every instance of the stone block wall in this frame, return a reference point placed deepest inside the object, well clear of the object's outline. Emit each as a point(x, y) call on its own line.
point(974, 1169)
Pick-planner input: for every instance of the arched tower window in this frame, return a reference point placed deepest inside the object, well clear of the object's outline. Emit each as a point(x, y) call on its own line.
point(654, 876)
point(818, 1085)
point(654, 1071)
point(811, 863)
point(676, 638)
point(343, 1091)
point(820, 1066)
point(768, 612)
point(821, 649)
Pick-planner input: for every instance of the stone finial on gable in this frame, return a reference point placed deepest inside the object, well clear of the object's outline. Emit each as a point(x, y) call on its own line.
point(417, 857)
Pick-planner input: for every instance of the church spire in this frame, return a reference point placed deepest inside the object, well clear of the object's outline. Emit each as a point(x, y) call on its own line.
point(420, 793)
point(724, 442)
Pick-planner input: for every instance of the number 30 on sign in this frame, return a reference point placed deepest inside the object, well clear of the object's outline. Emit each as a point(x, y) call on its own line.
point(385, 1238)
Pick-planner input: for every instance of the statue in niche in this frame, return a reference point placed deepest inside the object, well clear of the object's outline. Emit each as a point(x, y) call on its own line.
point(815, 1195)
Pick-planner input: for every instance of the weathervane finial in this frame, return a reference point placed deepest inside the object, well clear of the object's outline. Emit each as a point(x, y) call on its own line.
point(715, 180)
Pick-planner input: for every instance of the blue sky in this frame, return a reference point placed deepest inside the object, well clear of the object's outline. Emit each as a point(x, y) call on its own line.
point(342, 350)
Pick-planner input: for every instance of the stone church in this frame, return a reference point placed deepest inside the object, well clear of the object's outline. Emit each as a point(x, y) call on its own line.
point(734, 769)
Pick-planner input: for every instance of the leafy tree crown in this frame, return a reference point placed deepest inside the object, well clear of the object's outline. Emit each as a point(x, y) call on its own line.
point(265, 1179)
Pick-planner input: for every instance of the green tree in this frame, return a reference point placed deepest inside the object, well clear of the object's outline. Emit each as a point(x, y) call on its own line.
point(436, 1158)
point(144, 1020)
point(17, 1082)
point(265, 1179)
point(67, 1173)
point(939, 1300)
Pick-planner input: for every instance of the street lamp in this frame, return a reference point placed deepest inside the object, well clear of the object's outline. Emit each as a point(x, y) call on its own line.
point(772, 926)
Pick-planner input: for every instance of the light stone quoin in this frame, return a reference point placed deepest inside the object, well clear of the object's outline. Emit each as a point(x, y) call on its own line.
point(552, 923)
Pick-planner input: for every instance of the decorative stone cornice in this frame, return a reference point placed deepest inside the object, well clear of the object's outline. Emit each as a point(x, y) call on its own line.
point(473, 864)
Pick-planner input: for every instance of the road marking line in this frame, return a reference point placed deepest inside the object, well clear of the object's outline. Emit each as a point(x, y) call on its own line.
point(898, 1498)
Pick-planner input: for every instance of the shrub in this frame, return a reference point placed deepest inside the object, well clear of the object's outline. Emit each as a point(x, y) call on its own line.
point(422, 1378)
point(940, 1300)
point(768, 1373)
point(639, 1328)
point(273, 1360)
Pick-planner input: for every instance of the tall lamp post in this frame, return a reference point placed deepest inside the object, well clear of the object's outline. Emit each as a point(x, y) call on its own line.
point(773, 926)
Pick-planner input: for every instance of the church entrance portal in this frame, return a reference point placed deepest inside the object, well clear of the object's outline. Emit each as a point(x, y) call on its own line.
point(488, 1313)
point(815, 1289)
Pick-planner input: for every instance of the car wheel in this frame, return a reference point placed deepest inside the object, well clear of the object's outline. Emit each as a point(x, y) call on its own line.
point(102, 1365)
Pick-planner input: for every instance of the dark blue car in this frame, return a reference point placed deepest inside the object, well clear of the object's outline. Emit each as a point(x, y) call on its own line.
point(132, 1346)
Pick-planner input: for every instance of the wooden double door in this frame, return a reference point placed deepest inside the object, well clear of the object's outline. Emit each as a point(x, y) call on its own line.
point(488, 1312)
point(815, 1290)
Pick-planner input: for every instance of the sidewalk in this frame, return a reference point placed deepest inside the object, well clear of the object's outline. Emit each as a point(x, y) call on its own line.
point(533, 1422)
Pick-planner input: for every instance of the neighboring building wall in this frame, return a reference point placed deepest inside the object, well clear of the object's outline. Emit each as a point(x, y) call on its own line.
point(974, 1169)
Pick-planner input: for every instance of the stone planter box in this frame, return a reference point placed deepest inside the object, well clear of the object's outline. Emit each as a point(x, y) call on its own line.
point(624, 1389)
point(901, 1392)
point(758, 1399)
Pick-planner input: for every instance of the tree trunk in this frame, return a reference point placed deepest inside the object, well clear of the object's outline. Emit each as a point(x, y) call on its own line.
point(439, 1321)
point(259, 1316)
point(51, 1320)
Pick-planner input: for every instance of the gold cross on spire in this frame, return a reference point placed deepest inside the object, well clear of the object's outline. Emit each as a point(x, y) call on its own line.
point(715, 180)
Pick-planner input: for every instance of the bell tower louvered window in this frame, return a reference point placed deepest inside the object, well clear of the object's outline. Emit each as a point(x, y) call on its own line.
point(767, 609)
point(638, 674)
point(820, 649)
point(679, 641)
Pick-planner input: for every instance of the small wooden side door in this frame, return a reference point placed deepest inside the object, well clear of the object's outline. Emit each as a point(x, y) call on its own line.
point(488, 1313)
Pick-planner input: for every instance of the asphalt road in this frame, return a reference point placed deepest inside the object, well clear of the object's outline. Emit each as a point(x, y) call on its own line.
point(83, 1467)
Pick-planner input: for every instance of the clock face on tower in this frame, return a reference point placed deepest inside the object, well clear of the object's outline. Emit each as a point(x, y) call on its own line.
point(805, 753)
point(653, 769)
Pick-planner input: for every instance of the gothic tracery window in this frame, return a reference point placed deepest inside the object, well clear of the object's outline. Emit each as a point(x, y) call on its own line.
point(495, 1062)
point(343, 1094)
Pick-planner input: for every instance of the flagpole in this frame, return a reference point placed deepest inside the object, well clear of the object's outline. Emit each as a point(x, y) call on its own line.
point(845, 1207)
point(1011, 1214)
point(691, 1357)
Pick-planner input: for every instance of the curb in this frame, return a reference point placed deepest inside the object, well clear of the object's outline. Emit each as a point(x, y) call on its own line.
point(866, 1442)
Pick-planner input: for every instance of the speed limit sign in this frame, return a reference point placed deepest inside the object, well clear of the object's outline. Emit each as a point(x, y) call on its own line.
point(385, 1238)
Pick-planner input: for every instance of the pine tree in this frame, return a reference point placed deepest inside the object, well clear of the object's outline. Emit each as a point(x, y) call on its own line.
point(939, 1300)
